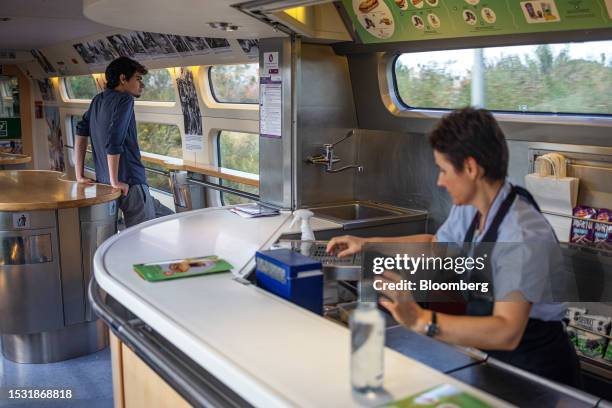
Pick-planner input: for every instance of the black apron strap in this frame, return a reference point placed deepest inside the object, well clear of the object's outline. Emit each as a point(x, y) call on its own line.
point(491, 234)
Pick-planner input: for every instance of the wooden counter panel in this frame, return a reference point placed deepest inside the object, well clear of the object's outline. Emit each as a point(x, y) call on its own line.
point(27, 190)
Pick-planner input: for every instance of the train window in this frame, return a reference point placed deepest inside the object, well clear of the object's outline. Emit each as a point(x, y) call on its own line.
point(234, 83)
point(158, 86)
point(155, 180)
point(74, 121)
point(88, 162)
point(80, 87)
point(548, 78)
point(160, 138)
point(238, 151)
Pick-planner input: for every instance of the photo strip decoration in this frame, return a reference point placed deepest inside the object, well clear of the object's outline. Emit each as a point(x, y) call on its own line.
point(192, 117)
point(54, 139)
point(142, 45)
point(250, 48)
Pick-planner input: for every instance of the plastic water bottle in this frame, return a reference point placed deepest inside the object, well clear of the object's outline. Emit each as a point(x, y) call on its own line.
point(367, 326)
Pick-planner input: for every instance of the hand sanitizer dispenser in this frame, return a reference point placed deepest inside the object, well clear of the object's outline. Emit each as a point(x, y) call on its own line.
point(307, 234)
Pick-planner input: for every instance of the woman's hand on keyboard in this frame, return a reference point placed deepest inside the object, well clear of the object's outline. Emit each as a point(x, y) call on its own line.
point(345, 245)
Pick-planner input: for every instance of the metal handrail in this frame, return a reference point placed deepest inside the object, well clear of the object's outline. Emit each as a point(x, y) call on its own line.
point(225, 189)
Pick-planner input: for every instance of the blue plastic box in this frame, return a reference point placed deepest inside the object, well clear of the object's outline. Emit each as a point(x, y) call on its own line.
point(291, 276)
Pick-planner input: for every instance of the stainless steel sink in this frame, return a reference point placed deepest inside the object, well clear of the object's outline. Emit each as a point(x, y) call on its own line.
point(359, 214)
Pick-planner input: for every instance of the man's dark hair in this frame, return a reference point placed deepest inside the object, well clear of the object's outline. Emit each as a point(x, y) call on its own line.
point(125, 66)
point(473, 133)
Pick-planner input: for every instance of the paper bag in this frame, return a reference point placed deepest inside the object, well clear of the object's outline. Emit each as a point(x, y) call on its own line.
point(557, 195)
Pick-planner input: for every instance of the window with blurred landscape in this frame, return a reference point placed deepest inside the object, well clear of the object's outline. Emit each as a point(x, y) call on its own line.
point(555, 78)
point(235, 83)
point(159, 138)
point(74, 120)
point(158, 86)
point(238, 151)
point(80, 87)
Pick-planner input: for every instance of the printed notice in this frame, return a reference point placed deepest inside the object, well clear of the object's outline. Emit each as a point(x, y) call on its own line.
point(194, 142)
point(270, 109)
point(271, 66)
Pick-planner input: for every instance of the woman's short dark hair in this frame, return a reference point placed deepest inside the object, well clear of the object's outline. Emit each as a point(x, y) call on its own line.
point(125, 66)
point(472, 133)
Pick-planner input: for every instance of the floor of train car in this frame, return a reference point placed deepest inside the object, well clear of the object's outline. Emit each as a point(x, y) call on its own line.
point(88, 377)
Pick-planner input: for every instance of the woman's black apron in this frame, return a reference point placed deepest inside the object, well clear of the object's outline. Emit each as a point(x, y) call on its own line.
point(545, 348)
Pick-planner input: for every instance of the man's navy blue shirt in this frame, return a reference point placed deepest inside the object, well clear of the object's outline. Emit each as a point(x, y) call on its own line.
point(111, 125)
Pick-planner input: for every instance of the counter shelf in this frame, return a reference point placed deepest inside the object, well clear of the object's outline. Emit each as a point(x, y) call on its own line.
point(50, 228)
point(214, 342)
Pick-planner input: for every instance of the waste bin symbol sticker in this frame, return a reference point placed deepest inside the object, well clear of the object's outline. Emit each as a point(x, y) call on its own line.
point(21, 220)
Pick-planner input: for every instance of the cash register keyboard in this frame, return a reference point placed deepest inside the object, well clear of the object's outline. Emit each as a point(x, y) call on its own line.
point(318, 251)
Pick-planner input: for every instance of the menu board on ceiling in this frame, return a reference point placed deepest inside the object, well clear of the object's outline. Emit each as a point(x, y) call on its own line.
point(379, 21)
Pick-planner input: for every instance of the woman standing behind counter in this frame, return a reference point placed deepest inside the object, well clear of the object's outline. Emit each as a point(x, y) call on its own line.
point(472, 156)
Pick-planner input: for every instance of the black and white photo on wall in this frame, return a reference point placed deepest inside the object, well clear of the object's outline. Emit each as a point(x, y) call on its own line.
point(96, 52)
point(54, 139)
point(218, 44)
point(165, 45)
point(197, 45)
point(250, 48)
point(43, 61)
point(194, 139)
point(86, 55)
point(46, 90)
point(133, 41)
point(180, 45)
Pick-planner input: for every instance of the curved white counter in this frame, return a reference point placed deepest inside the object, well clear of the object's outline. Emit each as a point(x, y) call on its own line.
point(267, 350)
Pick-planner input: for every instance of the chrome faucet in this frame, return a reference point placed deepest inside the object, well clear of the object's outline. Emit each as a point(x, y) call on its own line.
point(328, 159)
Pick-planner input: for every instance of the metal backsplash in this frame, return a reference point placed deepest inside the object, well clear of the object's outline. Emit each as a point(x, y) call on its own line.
point(326, 111)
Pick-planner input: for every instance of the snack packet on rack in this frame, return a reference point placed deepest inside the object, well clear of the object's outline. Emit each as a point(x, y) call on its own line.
point(602, 229)
point(571, 315)
point(582, 225)
point(589, 342)
point(608, 355)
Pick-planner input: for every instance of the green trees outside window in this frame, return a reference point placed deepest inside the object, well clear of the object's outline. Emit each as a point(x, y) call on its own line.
point(235, 83)
point(238, 151)
point(158, 86)
point(560, 78)
point(80, 87)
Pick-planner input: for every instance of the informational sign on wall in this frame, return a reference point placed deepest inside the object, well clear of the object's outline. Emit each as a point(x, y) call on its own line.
point(379, 21)
point(10, 128)
point(270, 108)
point(270, 97)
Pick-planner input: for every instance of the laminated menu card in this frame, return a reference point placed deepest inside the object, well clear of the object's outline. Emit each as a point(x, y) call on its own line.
point(182, 268)
point(444, 395)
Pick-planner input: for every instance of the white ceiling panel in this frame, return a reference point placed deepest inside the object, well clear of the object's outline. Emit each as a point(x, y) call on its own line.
point(40, 23)
point(184, 17)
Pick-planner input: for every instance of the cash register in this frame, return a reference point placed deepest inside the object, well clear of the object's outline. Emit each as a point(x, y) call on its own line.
point(296, 270)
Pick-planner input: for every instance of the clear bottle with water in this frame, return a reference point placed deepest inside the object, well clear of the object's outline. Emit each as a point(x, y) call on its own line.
point(367, 326)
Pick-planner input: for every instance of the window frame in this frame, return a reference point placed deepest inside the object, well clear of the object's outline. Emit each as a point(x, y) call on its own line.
point(65, 94)
point(211, 90)
point(396, 105)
